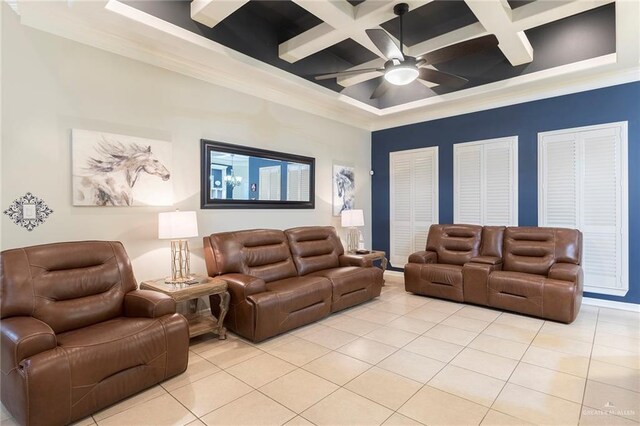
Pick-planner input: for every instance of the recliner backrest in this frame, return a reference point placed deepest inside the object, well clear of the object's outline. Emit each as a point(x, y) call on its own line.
point(534, 250)
point(492, 241)
point(66, 285)
point(263, 253)
point(314, 248)
point(455, 244)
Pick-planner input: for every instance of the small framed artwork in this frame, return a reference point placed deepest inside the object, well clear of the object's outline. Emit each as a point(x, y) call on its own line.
point(343, 188)
point(118, 170)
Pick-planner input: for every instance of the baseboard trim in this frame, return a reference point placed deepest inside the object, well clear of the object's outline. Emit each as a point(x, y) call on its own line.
point(393, 276)
point(601, 303)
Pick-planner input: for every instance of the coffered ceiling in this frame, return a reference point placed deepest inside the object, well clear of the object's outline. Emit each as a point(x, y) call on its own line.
point(273, 49)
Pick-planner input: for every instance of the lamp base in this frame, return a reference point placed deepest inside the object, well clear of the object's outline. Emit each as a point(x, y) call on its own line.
point(180, 264)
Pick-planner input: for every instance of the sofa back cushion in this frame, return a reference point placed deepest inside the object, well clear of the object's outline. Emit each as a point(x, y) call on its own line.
point(534, 250)
point(314, 248)
point(455, 244)
point(66, 285)
point(263, 253)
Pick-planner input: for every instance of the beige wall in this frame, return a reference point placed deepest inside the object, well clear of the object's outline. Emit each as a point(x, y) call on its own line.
point(51, 85)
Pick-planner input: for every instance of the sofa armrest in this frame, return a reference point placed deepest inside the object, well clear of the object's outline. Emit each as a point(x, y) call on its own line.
point(424, 257)
point(23, 337)
point(241, 286)
point(566, 272)
point(148, 304)
point(487, 260)
point(351, 260)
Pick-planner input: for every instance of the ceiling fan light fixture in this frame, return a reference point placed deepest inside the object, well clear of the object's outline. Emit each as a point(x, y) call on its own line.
point(401, 75)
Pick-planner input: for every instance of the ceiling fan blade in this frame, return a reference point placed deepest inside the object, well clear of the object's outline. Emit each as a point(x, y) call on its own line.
point(380, 90)
point(460, 49)
point(443, 78)
point(346, 73)
point(385, 43)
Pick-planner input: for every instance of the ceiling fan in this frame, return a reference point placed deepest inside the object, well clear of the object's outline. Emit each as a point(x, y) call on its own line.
point(401, 69)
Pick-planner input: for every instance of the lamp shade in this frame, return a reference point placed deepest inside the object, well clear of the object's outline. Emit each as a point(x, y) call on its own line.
point(352, 218)
point(177, 225)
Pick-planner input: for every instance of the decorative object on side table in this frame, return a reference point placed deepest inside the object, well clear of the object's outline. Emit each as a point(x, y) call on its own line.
point(28, 211)
point(177, 226)
point(352, 219)
point(203, 286)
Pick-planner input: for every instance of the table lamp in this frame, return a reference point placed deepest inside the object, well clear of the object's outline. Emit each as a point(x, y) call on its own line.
point(352, 219)
point(178, 226)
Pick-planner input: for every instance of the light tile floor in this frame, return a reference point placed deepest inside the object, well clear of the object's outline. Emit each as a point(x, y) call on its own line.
point(406, 360)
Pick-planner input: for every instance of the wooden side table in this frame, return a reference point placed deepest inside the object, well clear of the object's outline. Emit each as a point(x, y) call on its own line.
point(206, 286)
point(374, 255)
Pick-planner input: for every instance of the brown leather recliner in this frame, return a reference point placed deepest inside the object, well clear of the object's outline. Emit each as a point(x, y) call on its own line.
point(530, 270)
point(77, 335)
point(282, 280)
point(437, 271)
point(541, 273)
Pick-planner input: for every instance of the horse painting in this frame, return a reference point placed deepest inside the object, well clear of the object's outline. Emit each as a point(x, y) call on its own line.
point(111, 172)
point(344, 187)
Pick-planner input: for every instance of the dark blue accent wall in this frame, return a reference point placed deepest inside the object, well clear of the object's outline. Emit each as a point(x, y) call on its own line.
point(611, 104)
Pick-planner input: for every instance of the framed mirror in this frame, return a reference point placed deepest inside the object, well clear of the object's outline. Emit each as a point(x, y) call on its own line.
point(242, 177)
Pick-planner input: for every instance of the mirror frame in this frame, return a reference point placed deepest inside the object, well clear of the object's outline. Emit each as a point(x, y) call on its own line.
point(207, 146)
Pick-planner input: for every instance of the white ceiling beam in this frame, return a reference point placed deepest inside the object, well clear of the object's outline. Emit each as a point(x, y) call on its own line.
point(309, 42)
point(345, 20)
point(495, 17)
point(544, 12)
point(212, 12)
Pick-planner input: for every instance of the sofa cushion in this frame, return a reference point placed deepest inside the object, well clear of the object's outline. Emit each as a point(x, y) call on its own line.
point(299, 293)
point(100, 351)
point(353, 283)
point(263, 253)
point(314, 248)
point(455, 244)
point(533, 250)
point(442, 274)
point(516, 291)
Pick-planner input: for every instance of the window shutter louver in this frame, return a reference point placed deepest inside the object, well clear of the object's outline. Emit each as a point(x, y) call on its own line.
point(413, 201)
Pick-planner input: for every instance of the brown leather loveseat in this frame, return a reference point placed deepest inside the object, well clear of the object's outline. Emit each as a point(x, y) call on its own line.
point(76, 334)
point(280, 280)
point(530, 270)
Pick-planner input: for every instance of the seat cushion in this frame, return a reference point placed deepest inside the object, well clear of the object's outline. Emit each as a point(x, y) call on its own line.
point(516, 291)
point(434, 279)
point(352, 285)
point(442, 274)
point(298, 293)
point(101, 351)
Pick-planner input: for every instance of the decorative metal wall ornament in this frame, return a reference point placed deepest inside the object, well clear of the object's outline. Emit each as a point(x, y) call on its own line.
point(28, 211)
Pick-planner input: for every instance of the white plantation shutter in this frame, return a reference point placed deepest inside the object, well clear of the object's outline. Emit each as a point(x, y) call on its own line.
point(486, 182)
point(413, 201)
point(298, 182)
point(269, 183)
point(559, 174)
point(583, 184)
point(468, 184)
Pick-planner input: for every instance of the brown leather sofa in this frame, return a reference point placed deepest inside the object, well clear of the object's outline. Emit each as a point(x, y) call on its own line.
point(530, 270)
point(280, 280)
point(76, 334)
